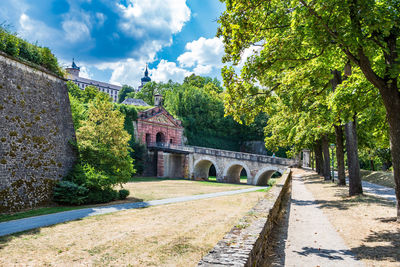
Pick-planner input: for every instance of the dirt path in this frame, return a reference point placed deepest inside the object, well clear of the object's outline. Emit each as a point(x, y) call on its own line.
point(311, 239)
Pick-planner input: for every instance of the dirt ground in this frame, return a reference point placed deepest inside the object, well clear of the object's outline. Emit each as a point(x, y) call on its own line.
point(145, 191)
point(366, 223)
point(170, 235)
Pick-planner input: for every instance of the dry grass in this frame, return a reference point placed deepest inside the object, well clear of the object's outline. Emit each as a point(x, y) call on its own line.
point(378, 177)
point(170, 235)
point(152, 190)
point(366, 223)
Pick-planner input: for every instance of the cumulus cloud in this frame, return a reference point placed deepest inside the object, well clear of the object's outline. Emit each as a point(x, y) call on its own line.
point(203, 55)
point(100, 31)
point(76, 31)
point(156, 15)
point(169, 71)
point(130, 71)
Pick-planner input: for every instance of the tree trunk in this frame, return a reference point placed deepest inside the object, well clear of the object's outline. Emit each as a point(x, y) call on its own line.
point(319, 160)
point(392, 105)
point(340, 154)
point(327, 161)
point(312, 160)
point(355, 186)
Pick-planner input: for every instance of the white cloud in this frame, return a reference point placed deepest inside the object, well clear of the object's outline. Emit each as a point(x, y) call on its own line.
point(203, 55)
point(36, 30)
point(169, 71)
point(75, 31)
point(85, 73)
point(166, 16)
point(130, 72)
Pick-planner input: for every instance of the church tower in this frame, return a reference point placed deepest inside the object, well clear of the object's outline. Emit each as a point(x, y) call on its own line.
point(145, 79)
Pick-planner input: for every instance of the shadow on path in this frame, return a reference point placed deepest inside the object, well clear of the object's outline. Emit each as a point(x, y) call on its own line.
point(325, 253)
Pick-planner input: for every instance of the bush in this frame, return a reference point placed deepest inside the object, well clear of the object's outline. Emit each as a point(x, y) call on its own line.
point(101, 195)
point(67, 192)
point(123, 194)
point(17, 47)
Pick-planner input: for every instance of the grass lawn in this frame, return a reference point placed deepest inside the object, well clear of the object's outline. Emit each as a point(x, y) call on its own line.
point(243, 179)
point(171, 235)
point(142, 189)
point(378, 177)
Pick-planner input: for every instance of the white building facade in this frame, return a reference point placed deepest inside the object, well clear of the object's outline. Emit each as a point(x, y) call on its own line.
point(110, 89)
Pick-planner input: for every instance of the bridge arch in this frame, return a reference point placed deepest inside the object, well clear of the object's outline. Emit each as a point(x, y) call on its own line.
point(232, 172)
point(202, 168)
point(262, 177)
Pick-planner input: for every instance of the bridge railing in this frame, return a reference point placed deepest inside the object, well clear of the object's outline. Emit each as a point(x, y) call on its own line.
point(244, 156)
point(225, 153)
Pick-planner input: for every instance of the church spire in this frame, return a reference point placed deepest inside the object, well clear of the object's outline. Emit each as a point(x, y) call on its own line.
point(146, 72)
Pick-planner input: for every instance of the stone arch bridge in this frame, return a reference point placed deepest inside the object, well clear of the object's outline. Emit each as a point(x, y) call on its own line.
point(194, 162)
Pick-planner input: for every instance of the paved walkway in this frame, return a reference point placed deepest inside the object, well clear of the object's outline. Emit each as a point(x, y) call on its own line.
point(378, 190)
point(311, 239)
point(20, 225)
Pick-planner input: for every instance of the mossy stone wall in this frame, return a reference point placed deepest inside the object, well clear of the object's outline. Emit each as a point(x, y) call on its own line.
point(36, 129)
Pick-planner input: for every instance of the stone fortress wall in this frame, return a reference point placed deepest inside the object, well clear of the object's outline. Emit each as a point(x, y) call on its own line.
point(35, 132)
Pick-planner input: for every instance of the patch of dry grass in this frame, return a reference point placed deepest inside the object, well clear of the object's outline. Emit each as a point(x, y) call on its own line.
point(152, 190)
point(378, 177)
point(170, 235)
point(366, 223)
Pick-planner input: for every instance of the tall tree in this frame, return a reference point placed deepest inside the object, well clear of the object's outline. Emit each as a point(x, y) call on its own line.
point(122, 94)
point(291, 32)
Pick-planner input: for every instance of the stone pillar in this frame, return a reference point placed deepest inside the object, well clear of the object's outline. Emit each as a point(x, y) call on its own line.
point(306, 158)
point(185, 164)
point(160, 164)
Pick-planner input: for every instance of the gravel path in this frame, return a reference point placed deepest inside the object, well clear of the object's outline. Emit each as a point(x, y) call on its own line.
point(20, 225)
point(311, 239)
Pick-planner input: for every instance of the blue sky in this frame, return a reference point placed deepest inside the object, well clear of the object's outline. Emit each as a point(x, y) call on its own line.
point(112, 40)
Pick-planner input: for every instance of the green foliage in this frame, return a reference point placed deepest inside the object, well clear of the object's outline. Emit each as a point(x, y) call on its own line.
point(103, 143)
point(152, 88)
point(101, 195)
point(67, 192)
point(123, 194)
point(17, 47)
point(123, 93)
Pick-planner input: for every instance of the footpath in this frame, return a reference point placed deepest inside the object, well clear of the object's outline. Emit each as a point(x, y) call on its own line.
point(311, 238)
point(20, 225)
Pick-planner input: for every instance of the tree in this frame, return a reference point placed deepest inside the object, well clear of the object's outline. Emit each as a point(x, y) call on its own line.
point(103, 142)
point(122, 94)
point(289, 33)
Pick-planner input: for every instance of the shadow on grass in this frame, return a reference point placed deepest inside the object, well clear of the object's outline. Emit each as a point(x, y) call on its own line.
point(345, 202)
point(387, 249)
point(25, 234)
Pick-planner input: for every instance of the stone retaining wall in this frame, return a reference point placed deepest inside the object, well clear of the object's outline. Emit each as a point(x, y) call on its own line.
point(246, 244)
point(35, 130)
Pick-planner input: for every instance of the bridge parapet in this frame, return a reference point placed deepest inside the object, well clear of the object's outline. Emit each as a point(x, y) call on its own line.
point(244, 156)
point(225, 153)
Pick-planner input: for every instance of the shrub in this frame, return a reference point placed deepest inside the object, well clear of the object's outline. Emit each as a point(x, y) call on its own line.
point(123, 194)
point(17, 47)
point(67, 192)
point(101, 195)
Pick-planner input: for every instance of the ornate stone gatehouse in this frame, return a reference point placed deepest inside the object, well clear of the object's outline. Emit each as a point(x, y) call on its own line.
point(156, 125)
point(162, 134)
